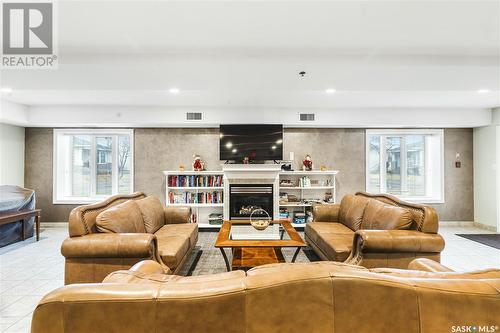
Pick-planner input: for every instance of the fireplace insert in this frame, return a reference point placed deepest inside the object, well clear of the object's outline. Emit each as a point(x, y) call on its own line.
point(245, 198)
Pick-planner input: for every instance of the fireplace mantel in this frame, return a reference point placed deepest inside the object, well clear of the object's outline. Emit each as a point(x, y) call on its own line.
point(251, 171)
point(251, 174)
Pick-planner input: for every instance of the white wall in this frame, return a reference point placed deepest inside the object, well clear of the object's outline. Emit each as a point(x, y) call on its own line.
point(486, 174)
point(13, 113)
point(11, 155)
point(155, 116)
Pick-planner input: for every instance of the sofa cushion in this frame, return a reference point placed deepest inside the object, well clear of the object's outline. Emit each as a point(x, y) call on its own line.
point(187, 230)
point(336, 247)
point(352, 208)
point(315, 230)
point(152, 213)
point(172, 249)
point(381, 216)
point(123, 218)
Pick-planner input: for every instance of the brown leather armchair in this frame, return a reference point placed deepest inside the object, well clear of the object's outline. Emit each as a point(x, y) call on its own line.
point(293, 298)
point(374, 230)
point(123, 230)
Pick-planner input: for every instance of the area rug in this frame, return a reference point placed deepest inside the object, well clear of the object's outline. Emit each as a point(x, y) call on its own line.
point(206, 259)
point(492, 240)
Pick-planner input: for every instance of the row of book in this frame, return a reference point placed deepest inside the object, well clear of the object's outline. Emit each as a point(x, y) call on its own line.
point(295, 217)
point(195, 198)
point(195, 181)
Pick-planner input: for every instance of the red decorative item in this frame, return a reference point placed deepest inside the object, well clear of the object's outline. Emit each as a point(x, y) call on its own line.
point(307, 163)
point(198, 164)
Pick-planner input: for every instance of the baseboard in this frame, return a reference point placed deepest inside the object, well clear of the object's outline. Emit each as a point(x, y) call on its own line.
point(470, 224)
point(54, 225)
point(485, 226)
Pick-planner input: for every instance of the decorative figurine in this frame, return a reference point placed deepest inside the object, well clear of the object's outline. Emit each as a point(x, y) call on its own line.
point(198, 164)
point(307, 163)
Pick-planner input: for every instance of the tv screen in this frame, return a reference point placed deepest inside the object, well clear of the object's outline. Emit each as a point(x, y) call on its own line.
point(257, 142)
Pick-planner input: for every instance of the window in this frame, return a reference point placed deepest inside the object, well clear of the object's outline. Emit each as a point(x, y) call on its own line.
point(405, 163)
point(90, 165)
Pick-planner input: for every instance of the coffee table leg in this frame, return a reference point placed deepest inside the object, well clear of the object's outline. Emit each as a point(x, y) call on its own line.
point(228, 266)
point(296, 254)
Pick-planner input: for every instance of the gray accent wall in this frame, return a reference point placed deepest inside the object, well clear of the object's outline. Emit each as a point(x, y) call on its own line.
point(158, 149)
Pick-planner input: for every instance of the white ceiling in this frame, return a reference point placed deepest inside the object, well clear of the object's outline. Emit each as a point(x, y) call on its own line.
point(404, 54)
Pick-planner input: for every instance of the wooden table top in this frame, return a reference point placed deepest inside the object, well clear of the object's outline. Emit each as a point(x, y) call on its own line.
point(223, 239)
point(17, 215)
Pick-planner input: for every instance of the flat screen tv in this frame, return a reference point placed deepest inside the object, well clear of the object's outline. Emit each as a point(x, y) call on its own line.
point(255, 142)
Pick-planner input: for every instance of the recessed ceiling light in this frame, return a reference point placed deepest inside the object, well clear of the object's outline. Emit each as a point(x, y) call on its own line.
point(273, 147)
point(229, 145)
point(234, 150)
point(6, 91)
point(279, 141)
point(483, 91)
point(330, 91)
point(174, 90)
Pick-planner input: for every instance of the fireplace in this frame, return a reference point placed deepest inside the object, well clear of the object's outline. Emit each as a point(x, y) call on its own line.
point(245, 198)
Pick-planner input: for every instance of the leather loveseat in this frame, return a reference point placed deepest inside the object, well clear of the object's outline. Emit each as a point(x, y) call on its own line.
point(324, 297)
point(374, 230)
point(123, 230)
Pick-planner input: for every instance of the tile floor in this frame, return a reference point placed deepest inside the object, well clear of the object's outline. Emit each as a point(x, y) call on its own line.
point(29, 269)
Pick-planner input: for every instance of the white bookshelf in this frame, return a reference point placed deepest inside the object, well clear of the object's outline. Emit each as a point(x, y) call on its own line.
point(201, 210)
point(326, 182)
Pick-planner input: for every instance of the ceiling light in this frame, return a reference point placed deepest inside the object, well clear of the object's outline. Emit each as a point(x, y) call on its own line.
point(279, 141)
point(330, 91)
point(234, 150)
point(229, 145)
point(174, 90)
point(483, 91)
point(6, 91)
point(273, 147)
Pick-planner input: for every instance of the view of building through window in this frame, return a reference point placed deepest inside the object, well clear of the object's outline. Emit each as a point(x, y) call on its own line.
point(397, 163)
point(93, 164)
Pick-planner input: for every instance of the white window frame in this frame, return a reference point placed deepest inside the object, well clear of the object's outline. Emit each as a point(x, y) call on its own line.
point(435, 169)
point(57, 199)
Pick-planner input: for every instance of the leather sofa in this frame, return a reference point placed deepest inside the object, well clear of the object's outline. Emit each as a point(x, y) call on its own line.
point(374, 230)
point(122, 230)
point(312, 297)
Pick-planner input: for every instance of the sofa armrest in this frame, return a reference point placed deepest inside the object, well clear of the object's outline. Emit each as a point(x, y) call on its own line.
point(396, 241)
point(427, 265)
point(148, 267)
point(109, 245)
point(326, 212)
point(177, 214)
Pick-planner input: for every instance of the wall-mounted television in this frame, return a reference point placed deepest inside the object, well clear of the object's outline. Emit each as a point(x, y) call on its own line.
point(256, 142)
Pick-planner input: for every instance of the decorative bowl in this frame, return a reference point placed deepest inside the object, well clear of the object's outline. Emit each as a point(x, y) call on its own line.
point(260, 224)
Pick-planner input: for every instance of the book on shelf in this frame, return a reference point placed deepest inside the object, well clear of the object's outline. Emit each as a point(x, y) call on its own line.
point(194, 181)
point(195, 198)
point(299, 218)
point(215, 219)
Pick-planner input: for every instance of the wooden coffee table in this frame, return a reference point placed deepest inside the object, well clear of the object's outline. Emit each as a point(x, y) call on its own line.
point(251, 248)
